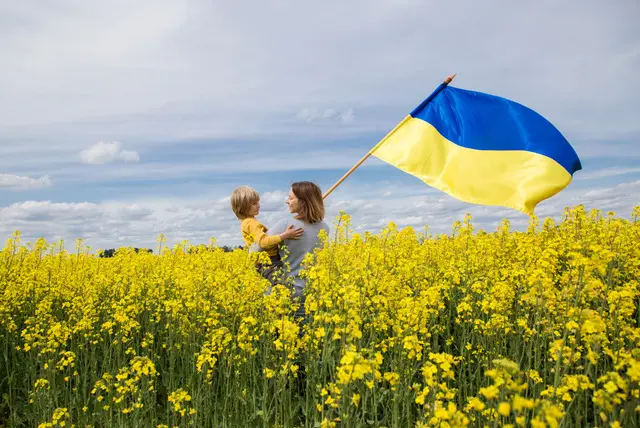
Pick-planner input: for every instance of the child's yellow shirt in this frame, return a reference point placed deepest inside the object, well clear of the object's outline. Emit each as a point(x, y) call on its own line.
point(254, 231)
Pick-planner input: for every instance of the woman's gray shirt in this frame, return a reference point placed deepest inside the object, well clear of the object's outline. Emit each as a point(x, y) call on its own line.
point(298, 248)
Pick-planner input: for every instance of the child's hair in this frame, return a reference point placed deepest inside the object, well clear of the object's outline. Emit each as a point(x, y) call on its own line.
point(241, 200)
point(311, 204)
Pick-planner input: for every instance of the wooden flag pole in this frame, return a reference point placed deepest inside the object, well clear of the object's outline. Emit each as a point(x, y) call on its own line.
point(353, 168)
point(364, 158)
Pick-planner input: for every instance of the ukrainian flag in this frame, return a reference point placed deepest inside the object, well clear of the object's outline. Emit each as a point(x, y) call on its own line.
point(481, 149)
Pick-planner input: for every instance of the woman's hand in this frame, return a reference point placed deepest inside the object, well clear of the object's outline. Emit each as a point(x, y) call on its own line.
point(291, 233)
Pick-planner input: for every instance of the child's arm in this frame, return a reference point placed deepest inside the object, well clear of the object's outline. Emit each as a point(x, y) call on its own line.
point(292, 233)
point(286, 230)
point(257, 232)
point(260, 237)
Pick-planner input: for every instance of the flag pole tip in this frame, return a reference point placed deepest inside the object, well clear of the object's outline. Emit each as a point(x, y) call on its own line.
point(450, 78)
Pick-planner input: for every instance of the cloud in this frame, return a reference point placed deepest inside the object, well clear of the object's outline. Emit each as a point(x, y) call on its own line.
point(103, 153)
point(272, 201)
point(101, 224)
point(371, 55)
point(138, 224)
point(364, 54)
point(438, 211)
point(607, 172)
point(17, 182)
point(347, 116)
point(311, 115)
point(210, 94)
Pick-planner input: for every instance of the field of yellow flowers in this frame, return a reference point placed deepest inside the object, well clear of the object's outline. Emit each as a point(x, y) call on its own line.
point(537, 328)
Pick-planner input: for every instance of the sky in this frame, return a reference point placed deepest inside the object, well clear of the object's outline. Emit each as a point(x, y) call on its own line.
point(123, 120)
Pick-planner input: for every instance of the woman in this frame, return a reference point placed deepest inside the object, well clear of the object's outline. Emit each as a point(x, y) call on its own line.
point(306, 203)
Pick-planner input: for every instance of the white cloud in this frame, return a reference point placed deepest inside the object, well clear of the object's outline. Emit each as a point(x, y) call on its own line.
point(347, 116)
point(161, 74)
point(438, 210)
point(173, 69)
point(101, 224)
point(311, 115)
point(17, 182)
point(114, 224)
point(103, 153)
point(607, 172)
point(272, 201)
point(174, 55)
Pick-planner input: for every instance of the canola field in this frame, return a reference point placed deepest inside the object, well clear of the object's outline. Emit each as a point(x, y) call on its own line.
point(404, 328)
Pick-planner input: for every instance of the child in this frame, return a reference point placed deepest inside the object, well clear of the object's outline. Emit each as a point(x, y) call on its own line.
point(245, 203)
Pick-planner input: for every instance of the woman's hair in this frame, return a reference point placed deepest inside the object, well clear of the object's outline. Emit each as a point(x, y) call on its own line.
point(310, 202)
point(241, 200)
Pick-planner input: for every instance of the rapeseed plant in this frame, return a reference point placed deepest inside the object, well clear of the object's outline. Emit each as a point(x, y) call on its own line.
point(403, 328)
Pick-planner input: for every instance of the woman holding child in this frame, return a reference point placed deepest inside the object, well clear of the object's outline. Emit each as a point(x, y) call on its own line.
point(307, 206)
point(300, 232)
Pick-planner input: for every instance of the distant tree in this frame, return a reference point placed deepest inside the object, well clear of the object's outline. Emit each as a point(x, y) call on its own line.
point(112, 251)
point(108, 253)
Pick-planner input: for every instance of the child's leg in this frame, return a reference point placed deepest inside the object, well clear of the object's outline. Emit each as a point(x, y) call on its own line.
point(273, 272)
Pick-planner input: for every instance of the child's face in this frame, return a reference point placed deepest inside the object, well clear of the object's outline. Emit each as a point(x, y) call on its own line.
point(292, 202)
point(255, 209)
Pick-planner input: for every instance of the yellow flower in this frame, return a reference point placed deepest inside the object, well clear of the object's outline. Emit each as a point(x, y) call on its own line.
point(476, 404)
point(420, 398)
point(520, 403)
point(327, 424)
point(355, 399)
point(442, 413)
point(490, 392)
point(504, 409)
point(392, 378)
point(537, 423)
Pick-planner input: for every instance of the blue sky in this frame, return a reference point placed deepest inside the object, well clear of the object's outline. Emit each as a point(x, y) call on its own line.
point(121, 121)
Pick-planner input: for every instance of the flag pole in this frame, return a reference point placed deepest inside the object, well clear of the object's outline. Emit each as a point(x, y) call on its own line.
point(365, 157)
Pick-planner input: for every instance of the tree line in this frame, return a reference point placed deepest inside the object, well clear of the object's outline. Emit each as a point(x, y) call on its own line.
point(112, 251)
